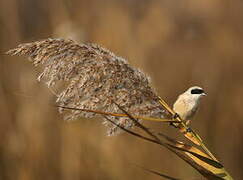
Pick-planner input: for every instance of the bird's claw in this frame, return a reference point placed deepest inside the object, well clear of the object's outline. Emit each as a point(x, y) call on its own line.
point(175, 125)
point(188, 130)
point(175, 116)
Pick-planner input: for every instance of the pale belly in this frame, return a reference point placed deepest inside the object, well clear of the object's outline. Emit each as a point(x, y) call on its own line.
point(185, 111)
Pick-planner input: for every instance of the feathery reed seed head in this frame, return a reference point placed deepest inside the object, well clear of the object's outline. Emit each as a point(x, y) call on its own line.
point(93, 79)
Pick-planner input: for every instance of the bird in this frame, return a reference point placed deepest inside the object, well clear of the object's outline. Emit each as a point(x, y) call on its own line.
point(188, 103)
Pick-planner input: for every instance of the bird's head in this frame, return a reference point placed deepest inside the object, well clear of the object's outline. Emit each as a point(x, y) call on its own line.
point(195, 92)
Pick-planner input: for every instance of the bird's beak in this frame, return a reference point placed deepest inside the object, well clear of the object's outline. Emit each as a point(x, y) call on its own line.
point(204, 94)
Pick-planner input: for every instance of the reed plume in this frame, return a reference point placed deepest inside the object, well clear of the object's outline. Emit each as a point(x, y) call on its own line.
point(92, 78)
point(91, 81)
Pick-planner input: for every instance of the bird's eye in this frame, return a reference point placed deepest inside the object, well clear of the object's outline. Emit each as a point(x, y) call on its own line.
point(197, 91)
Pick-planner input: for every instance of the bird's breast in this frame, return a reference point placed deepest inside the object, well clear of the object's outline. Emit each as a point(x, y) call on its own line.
point(185, 109)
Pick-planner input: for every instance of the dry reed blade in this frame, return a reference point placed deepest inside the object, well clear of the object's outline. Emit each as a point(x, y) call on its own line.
point(205, 162)
point(120, 115)
point(191, 135)
point(156, 173)
point(180, 152)
point(137, 123)
point(202, 160)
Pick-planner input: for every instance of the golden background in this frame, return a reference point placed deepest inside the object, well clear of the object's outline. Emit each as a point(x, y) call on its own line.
point(177, 43)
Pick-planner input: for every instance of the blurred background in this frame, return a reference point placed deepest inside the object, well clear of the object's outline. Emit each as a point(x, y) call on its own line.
point(177, 43)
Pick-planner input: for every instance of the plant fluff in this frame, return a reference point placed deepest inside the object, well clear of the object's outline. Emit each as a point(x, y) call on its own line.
point(92, 78)
point(92, 81)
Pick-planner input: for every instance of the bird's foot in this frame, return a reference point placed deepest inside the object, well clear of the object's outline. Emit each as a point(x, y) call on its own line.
point(175, 116)
point(175, 125)
point(189, 130)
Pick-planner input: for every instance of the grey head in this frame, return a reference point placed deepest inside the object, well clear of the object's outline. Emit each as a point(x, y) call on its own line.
point(195, 92)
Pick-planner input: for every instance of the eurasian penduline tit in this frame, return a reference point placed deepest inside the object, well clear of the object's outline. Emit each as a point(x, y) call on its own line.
point(187, 103)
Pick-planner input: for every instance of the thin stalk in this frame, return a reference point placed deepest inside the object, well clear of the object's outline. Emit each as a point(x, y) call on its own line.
point(164, 104)
point(121, 115)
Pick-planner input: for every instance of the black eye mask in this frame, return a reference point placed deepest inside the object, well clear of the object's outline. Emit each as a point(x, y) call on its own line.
point(197, 91)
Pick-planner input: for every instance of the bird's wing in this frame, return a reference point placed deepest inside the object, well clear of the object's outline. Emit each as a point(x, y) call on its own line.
point(93, 78)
